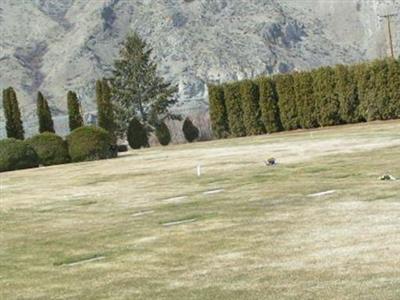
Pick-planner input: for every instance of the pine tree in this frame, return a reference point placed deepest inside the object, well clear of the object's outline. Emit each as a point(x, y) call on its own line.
point(190, 131)
point(14, 126)
point(218, 114)
point(305, 101)
point(346, 89)
point(269, 105)
point(234, 110)
point(74, 111)
point(105, 113)
point(287, 101)
point(327, 102)
point(44, 115)
point(251, 110)
point(137, 90)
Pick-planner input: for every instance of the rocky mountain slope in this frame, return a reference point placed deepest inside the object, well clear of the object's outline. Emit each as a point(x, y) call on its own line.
point(57, 45)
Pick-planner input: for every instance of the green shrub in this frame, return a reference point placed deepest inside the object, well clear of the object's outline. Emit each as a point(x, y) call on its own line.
point(50, 148)
point(251, 109)
point(16, 154)
point(190, 131)
point(137, 135)
point(234, 109)
point(218, 114)
point(269, 105)
point(90, 143)
point(162, 134)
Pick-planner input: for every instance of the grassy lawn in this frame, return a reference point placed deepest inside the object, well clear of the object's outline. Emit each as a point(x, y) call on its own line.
point(144, 226)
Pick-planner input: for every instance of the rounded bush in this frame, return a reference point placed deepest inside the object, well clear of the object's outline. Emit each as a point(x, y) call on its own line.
point(122, 148)
point(190, 131)
point(50, 148)
point(162, 134)
point(137, 135)
point(90, 143)
point(16, 154)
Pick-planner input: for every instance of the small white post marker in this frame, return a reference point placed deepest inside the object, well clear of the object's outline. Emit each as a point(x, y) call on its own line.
point(198, 170)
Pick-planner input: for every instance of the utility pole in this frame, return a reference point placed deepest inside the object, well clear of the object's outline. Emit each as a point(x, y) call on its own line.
point(388, 18)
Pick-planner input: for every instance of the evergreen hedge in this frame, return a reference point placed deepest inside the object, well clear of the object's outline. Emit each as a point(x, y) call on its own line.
point(16, 154)
point(322, 97)
point(50, 148)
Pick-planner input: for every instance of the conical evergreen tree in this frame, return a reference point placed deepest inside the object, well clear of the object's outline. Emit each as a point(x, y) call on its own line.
point(44, 115)
point(190, 131)
point(137, 135)
point(327, 102)
point(14, 126)
point(287, 101)
point(269, 105)
point(105, 113)
point(251, 110)
point(234, 110)
point(74, 111)
point(162, 133)
point(218, 114)
point(305, 101)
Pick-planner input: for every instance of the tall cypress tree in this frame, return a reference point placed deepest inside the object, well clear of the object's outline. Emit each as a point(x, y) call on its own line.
point(74, 112)
point(14, 126)
point(287, 101)
point(393, 88)
point(105, 113)
point(305, 101)
point(233, 103)
point(218, 114)
point(44, 114)
point(327, 102)
point(347, 91)
point(251, 110)
point(269, 105)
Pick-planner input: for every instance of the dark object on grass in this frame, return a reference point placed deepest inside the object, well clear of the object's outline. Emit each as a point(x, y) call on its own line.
point(122, 148)
point(270, 162)
point(387, 177)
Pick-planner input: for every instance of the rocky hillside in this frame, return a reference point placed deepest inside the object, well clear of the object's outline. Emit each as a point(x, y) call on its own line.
point(57, 45)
